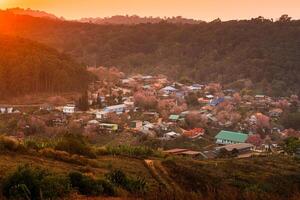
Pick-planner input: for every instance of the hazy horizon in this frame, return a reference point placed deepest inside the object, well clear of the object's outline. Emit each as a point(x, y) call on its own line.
point(206, 10)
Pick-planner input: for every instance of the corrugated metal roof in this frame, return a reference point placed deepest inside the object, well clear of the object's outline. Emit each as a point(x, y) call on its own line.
point(232, 136)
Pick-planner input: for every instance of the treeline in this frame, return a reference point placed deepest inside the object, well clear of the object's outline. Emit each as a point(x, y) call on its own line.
point(261, 50)
point(135, 19)
point(27, 67)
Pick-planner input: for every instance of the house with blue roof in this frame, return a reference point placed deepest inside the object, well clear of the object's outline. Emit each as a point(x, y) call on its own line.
point(217, 101)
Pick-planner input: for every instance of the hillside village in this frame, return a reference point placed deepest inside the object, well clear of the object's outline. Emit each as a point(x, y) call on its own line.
point(199, 120)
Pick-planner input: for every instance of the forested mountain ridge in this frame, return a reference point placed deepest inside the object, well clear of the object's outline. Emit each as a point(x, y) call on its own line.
point(266, 52)
point(30, 12)
point(134, 19)
point(28, 67)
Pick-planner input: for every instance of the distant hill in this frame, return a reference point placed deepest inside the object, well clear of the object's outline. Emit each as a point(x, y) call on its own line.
point(134, 19)
point(33, 13)
point(27, 67)
point(266, 52)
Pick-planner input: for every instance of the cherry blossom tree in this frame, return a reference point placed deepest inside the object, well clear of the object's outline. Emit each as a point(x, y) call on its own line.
point(145, 100)
point(195, 119)
point(255, 139)
point(237, 98)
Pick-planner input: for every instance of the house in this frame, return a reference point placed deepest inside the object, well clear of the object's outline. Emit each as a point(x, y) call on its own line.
point(47, 107)
point(209, 96)
point(225, 124)
point(194, 133)
point(150, 115)
point(217, 101)
point(230, 137)
point(184, 113)
point(175, 151)
point(276, 112)
point(171, 135)
point(203, 100)
point(183, 152)
point(241, 147)
point(137, 124)
point(147, 126)
point(260, 96)
point(195, 87)
point(118, 109)
point(101, 114)
point(7, 110)
point(174, 118)
point(127, 81)
point(93, 122)
point(229, 91)
point(252, 120)
point(109, 127)
point(129, 104)
point(168, 90)
point(2, 110)
point(69, 109)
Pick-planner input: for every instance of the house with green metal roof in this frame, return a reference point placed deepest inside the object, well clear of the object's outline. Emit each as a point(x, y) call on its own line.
point(230, 137)
point(174, 118)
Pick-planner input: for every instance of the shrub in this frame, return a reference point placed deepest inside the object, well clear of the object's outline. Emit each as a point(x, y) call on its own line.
point(9, 144)
point(119, 178)
point(30, 144)
point(24, 182)
point(108, 188)
point(139, 151)
point(136, 185)
point(58, 155)
point(75, 144)
point(34, 183)
point(85, 184)
point(54, 186)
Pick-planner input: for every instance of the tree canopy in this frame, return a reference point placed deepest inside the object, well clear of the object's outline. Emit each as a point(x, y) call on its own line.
point(28, 67)
point(261, 50)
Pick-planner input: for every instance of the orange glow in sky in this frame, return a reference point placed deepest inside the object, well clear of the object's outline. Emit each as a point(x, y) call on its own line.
point(198, 9)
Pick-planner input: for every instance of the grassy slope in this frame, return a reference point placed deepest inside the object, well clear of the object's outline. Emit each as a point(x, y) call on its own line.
point(132, 167)
point(184, 177)
point(231, 179)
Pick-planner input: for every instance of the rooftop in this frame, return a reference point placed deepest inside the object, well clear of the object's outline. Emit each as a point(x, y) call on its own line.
point(232, 136)
point(239, 146)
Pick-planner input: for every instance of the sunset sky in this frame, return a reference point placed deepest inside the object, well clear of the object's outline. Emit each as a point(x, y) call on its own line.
point(198, 9)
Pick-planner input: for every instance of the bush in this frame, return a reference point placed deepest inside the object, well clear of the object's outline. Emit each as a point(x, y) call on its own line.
point(75, 144)
point(85, 184)
point(34, 183)
point(139, 151)
point(30, 144)
point(136, 185)
point(24, 182)
point(9, 144)
point(108, 188)
point(119, 178)
point(54, 186)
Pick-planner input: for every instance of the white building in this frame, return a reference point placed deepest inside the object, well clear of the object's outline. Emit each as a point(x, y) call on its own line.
point(69, 109)
point(168, 90)
point(118, 109)
point(2, 110)
point(172, 135)
point(101, 114)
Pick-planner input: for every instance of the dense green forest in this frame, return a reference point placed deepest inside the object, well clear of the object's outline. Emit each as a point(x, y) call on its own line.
point(264, 51)
point(28, 67)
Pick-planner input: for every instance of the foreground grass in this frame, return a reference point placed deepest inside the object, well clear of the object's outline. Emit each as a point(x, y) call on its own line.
point(271, 177)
